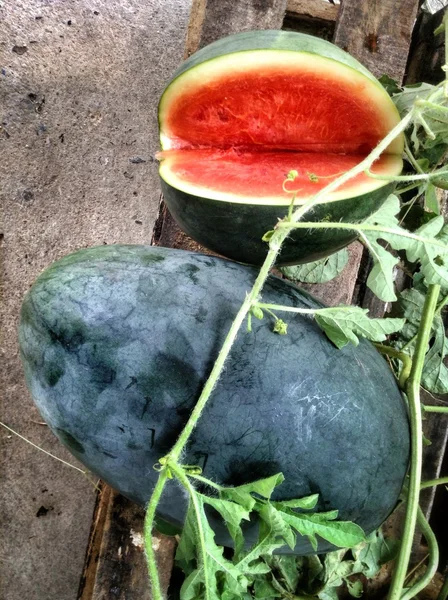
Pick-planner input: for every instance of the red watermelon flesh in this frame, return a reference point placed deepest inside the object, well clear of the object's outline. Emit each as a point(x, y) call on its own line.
point(233, 127)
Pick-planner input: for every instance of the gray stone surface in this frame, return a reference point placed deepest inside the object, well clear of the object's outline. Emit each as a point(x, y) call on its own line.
point(79, 86)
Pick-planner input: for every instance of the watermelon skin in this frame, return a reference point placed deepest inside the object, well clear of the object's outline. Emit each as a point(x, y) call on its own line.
point(235, 230)
point(117, 342)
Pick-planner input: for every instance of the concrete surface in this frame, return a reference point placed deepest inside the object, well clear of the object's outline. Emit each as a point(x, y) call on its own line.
point(79, 86)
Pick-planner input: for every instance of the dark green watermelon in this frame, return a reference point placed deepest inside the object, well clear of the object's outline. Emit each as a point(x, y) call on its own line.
point(117, 342)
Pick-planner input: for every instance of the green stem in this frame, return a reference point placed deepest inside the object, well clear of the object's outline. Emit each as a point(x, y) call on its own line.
point(275, 245)
point(212, 484)
point(433, 562)
point(443, 594)
point(433, 482)
point(398, 178)
point(435, 409)
point(405, 359)
point(413, 392)
point(156, 590)
point(362, 227)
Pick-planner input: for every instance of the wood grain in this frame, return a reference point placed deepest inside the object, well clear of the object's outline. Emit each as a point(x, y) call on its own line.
point(378, 33)
point(314, 9)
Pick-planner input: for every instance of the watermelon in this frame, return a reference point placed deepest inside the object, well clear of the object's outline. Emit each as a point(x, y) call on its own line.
point(242, 113)
point(117, 342)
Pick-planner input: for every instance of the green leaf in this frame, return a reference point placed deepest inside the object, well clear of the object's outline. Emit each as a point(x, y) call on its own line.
point(287, 568)
point(390, 85)
point(210, 559)
point(306, 503)
point(319, 271)
point(344, 324)
point(264, 590)
point(373, 553)
point(404, 101)
point(243, 493)
point(431, 200)
point(186, 550)
point(355, 588)
point(435, 373)
point(426, 244)
point(344, 534)
point(232, 514)
point(273, 534)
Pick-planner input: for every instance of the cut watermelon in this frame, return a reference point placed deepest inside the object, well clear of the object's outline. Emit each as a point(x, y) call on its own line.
point(245, 111)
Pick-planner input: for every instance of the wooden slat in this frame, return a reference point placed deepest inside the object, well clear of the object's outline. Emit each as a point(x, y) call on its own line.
point(115, 565)
point(313, 9)
point(377, 33)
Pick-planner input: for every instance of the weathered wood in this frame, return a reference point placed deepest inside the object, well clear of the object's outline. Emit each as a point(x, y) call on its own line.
point(313, 9)
point(378, 33)
point(427, 54)
point(115, 565)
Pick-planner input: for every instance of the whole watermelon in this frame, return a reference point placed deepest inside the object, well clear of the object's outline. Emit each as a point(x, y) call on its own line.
point(117, 342)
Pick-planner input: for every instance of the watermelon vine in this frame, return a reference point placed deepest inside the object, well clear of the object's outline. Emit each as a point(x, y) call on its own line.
point(424, 115)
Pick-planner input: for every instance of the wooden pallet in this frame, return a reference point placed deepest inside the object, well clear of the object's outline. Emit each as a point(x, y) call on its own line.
point(370, 30)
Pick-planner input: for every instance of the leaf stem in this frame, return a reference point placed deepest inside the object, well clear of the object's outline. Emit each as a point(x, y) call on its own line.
point(432, 482)
point(413, 392)
point(435, 409)
point(405, 359)
point(363, 227)
point(443, 594)
point(433, 561)
point(156, 590)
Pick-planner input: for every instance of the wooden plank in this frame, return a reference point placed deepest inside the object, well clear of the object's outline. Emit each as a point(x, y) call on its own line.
point(115, 564)
point(427, 54)
point(313, 9)
point(378, 33)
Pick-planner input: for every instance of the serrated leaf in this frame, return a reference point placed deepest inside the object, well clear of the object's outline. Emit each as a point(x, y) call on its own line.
point(273, 534)
point(344, 324)
point(344, 534)
point(232, 514)
point(210, 560)
point(306, 503)
point(186, 550)
point(319, 271)
point(404, 101)
point(243, 494)
point(435, 373)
